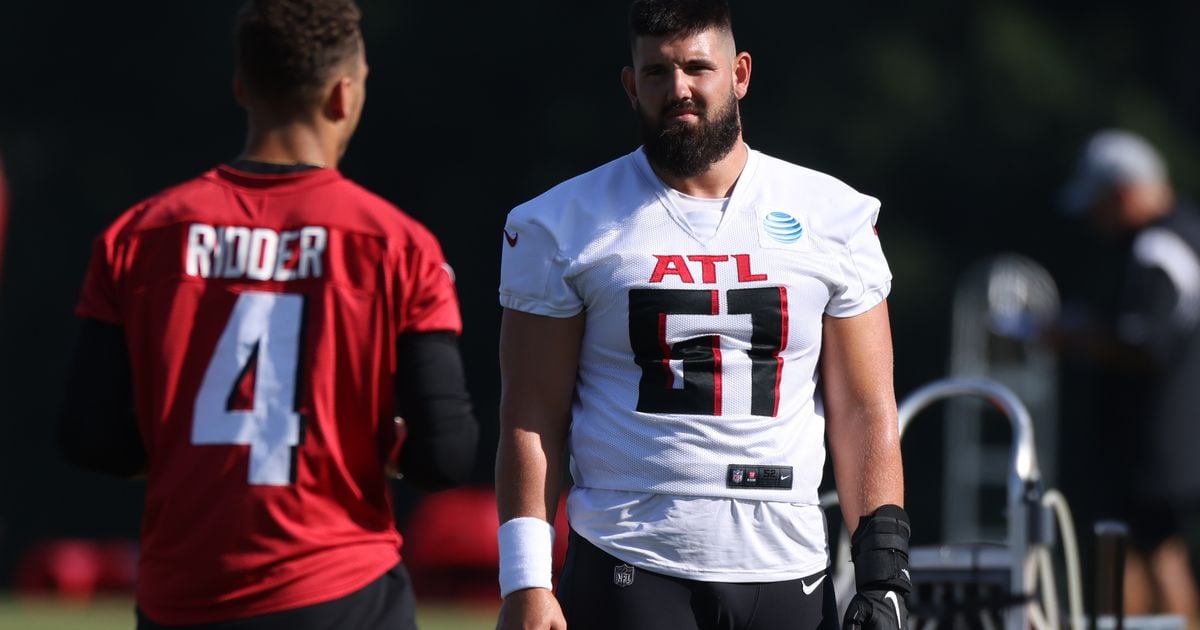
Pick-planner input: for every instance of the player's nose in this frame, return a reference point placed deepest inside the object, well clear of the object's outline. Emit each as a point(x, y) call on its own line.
point(680, 87)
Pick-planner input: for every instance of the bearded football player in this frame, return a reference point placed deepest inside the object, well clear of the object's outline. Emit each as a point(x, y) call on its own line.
point(687, 324)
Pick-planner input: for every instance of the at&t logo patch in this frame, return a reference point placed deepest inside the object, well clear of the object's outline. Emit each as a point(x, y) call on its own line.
point(783, 227)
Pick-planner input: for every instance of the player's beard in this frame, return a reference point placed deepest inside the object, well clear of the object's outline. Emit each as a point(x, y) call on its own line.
point(686, 150)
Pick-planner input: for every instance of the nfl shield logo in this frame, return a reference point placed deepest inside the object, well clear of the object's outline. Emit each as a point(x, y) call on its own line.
point(737, 475)
point(623, 575)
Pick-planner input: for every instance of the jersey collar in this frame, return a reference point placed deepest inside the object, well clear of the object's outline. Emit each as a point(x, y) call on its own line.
point(738, 199)
point(283, 180)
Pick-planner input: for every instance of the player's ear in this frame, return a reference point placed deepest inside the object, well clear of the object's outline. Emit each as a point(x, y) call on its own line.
point(338, 99)
point(741, 74)
point(628, 81)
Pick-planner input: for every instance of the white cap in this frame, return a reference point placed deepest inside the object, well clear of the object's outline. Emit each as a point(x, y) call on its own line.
point(1112, 157)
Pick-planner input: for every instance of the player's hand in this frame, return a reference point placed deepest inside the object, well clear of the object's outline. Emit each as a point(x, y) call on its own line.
point(879, 549)
point(876, 610)
point(531, 609)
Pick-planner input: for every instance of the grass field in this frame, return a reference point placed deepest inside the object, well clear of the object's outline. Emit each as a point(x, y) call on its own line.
point(117, 614)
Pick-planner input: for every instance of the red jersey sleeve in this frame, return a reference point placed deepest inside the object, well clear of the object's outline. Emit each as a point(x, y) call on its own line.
point(98, 298)
point(430, 301)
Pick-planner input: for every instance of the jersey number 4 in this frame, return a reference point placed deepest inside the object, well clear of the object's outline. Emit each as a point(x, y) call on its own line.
point(248, 395)
point(699, 358)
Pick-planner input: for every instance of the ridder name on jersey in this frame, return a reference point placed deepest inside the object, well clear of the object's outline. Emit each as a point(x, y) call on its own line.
point(256, 253)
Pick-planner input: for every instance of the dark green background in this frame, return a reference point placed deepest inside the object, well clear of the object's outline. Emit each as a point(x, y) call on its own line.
point(963, 117)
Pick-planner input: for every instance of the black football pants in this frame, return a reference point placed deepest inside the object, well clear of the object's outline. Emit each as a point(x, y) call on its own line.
point(600, 592)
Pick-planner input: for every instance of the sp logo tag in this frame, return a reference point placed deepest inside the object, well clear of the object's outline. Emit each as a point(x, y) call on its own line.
point(623, 575)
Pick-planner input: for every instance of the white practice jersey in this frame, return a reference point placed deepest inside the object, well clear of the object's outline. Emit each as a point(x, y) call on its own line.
point(697, 372)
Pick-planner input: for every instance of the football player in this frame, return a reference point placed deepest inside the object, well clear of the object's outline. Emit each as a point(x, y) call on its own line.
point(248, 338)
point(670, 319)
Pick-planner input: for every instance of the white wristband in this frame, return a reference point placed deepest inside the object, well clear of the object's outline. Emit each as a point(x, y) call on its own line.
point(526, 554)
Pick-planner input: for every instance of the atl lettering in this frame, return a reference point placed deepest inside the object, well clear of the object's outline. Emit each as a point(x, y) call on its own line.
point(677, 265)
point(255, 253)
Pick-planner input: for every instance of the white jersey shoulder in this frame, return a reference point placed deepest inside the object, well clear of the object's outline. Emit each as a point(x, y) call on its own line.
point(574, 209)
point(835, 210)
point(543, 236)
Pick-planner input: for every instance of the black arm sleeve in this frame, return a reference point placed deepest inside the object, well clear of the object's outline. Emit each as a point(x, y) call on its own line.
point(431, 396)
point(96, 428)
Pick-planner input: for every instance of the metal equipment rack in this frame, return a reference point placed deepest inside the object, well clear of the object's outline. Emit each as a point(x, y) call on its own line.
point(988, 585)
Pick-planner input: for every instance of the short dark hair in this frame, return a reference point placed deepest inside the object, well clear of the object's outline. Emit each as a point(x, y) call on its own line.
point(288, 49)
point(658, 18)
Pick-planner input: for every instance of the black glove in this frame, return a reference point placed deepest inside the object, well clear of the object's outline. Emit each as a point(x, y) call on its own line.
point(879, 549)
point(876, 610)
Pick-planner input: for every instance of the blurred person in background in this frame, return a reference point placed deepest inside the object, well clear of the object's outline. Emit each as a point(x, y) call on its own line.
point(1147, 348)
point(664, 317)
point(248, 338)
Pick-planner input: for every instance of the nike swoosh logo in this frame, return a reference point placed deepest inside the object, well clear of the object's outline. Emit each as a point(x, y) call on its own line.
point(896, 603)
point(809, 588)
point(784, 477)
point(511, 238)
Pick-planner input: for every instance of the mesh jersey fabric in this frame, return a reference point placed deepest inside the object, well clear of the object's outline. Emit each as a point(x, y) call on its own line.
point(699, 354)
point(261, 313)
point(703, 216)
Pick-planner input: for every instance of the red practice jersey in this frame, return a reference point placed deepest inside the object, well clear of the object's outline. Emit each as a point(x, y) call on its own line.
point(261, 314)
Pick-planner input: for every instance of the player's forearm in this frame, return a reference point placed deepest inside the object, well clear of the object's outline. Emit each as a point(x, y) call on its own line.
point(529, 459)
point(528, 474)
point(539, 360)
point(870, 480)
point(860, 412)
point(431, 395)
point(444, 455)
point(528, 478)
point(866, 458)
